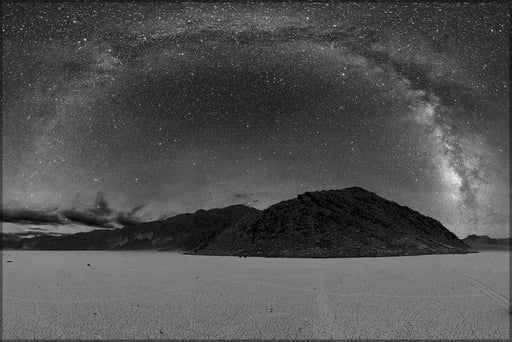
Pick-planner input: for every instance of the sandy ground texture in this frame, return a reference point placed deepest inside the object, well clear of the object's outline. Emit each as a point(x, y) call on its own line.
point(140, 295)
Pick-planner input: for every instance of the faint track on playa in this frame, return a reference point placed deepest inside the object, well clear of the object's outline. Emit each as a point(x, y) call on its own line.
point(326, 316)
point(490, 292)
point(356, 294)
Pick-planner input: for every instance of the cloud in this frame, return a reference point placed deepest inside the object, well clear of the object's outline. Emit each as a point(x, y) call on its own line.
point(88, 217)
point(99, 215)
point(242, 196)
point(129, 218)
point(246, 197)
point(32, 216)
point(101, 206)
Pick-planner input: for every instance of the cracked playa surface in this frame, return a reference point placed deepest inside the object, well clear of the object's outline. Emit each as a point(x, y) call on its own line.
point(139, 295)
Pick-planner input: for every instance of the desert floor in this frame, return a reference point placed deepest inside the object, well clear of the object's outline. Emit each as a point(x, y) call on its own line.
point(139, 295)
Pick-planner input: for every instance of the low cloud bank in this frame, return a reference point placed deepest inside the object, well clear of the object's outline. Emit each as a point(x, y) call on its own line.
point(32, 216)
point(129, 218)
point(99, 215)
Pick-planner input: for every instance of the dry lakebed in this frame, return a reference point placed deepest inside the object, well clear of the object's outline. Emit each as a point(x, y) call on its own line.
point(161, 295)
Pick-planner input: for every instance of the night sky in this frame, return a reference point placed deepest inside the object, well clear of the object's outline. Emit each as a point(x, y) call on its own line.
point(185, 106)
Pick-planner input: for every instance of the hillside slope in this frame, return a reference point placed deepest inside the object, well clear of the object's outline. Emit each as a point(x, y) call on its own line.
point(336, 223)
point(182, 232)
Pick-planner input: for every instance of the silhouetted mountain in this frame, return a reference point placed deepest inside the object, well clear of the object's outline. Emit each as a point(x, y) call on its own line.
point(336, 223)
point(182, 232)
point(484, 242)
point(10, 241)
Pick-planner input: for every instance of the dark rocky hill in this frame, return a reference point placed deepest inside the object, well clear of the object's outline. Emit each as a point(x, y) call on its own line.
point(10, 241)
point(184, 232)
point(484, 242)
point(351, 222)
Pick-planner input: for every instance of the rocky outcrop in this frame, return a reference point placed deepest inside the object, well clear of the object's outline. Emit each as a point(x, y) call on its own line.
point(351, 222)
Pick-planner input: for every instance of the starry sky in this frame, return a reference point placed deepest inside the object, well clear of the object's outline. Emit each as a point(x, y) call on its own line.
point(167, 108)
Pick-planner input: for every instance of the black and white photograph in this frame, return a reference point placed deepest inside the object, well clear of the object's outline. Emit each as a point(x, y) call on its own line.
point(248, 170)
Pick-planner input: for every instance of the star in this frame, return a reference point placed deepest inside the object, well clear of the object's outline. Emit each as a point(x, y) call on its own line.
point(199, 101)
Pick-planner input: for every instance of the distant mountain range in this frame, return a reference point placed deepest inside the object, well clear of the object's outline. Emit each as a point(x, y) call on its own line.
point(183, 232)
point(484, 242)
point(351, 222)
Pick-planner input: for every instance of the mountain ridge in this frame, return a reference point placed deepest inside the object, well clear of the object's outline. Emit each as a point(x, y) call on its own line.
point(180, 232)
point(350, 222)
point(335, 223)
point(484, 242)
